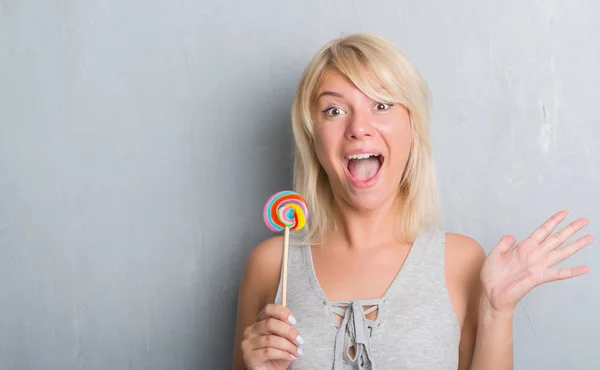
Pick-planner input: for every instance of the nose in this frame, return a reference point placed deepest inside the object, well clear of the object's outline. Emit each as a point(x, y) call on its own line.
point(359, 126)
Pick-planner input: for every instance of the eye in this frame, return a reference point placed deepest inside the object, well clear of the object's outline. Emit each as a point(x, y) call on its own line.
point(333, 111)
point(383, 106)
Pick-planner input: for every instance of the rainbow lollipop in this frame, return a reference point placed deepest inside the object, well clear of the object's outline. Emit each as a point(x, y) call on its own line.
point(283, 211)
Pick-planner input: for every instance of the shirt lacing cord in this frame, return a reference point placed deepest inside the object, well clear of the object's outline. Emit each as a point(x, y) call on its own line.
point(354, 332)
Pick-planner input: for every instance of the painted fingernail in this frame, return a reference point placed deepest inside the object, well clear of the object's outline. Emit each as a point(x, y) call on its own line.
point(300, 352)
point(292, 320)
point(300, 340)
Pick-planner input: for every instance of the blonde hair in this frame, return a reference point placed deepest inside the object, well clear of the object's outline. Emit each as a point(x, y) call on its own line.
point(392, 79)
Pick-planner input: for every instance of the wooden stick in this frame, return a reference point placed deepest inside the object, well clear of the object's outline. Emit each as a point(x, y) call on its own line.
point(284, 263)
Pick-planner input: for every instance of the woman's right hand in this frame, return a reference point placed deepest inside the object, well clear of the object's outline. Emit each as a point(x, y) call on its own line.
point(271, 342)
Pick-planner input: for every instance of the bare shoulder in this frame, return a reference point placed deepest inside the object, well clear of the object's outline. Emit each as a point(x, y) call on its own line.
point(463, 251)
point(463, 261)
point(263, 266)
point(269, 251)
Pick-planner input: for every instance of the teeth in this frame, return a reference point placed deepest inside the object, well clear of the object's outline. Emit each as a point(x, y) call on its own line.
point(362, 156)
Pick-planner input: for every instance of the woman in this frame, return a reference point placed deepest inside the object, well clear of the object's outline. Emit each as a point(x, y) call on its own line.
point(374, 283)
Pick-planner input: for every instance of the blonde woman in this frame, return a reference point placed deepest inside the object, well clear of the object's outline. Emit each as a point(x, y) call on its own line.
point(374, 283)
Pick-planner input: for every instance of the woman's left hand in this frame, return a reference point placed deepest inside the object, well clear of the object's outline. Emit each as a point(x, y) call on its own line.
point(508, 273)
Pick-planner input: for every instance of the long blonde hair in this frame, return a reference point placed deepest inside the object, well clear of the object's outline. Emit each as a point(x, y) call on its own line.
point(393, 80)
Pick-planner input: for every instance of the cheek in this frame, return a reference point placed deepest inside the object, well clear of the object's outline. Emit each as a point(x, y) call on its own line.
point(325, 146)
point(404, 152)
point(404, 144)
point(400, 141)
point(321, 151)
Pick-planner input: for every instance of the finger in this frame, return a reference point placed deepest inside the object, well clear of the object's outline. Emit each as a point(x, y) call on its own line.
point(279, 328)
point(547, 227)
point(567, 273)
point(268, 354)
point(561, 254)
point(277, 311)
point(504, 245)
point(563, 235)
point(274, 341)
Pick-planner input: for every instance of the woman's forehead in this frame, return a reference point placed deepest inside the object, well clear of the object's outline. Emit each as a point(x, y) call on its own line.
point(332, 82)
point(332, 79)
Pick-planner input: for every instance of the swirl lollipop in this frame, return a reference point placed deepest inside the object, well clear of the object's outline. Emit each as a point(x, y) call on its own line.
point(283, 211)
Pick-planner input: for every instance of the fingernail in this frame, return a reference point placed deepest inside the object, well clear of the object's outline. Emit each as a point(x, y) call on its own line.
point(292, 320)
point(300, 340)
point(300, 352)
point(293, 357)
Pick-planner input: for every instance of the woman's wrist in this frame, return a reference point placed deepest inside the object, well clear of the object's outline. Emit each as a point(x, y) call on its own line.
point(489, 314)
point(493, 349)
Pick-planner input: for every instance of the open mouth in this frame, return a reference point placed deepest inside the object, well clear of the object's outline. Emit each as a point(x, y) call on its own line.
point(363, 167)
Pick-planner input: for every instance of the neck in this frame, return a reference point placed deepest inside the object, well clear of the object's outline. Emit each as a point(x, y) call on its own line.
point(360, 229)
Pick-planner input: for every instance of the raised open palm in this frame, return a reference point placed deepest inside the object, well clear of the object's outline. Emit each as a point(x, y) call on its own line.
point(508, 273)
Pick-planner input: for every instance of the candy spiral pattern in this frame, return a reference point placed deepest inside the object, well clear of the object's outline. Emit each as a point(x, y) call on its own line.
point(285, 209)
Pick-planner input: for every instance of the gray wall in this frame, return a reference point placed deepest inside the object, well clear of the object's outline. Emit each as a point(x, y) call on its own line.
point(139, 141)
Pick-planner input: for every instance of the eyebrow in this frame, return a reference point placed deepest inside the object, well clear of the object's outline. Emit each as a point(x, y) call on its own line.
point(331, 93)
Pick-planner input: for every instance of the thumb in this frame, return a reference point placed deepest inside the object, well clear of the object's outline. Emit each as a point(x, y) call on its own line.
point(504, 245)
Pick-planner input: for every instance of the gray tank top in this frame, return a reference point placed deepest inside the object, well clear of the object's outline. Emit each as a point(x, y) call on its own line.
point(415, 328)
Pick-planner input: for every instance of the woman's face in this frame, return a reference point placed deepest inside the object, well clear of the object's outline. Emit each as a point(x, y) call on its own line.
point(362, 144)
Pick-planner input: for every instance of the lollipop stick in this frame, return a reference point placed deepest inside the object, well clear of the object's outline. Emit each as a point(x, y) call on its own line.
point(284, 262)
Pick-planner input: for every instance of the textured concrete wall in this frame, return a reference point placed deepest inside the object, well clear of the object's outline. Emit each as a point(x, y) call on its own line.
point(139, 141)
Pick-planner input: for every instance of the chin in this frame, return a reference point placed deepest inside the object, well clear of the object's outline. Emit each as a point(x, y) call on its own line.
point(368, 201)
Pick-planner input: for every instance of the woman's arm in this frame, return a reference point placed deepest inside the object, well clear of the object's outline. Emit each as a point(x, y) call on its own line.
point(464, 258)
point(258, 286)
point(494, 345)
point(508, 273)
point(486, 336)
